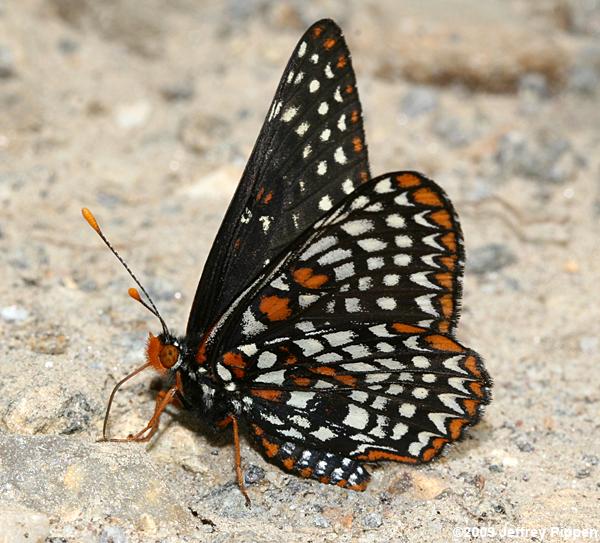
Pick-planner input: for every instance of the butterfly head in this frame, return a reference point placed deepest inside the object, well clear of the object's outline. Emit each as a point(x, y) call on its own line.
point(164, 353)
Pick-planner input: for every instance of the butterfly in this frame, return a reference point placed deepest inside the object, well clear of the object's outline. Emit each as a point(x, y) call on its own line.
point(324, 321)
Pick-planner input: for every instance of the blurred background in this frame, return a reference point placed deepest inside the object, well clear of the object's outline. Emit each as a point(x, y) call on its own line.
point(147, 111)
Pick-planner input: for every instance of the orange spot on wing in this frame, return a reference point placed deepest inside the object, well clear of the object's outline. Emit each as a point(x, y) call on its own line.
point(349, 89)
point(443, 343)
point(201, 353)
point(341, 61)
point(324, 370)
point(407, 180)
point(302, 381)
point(258, 430)
point(271, 449)
point(325, 480)
point(357, 144)
point(268, 198)
point(348, 380)
point(307, 278)
point(291, 360)
point(267, 394)
point(444, 279)
point(234, 360)
point(447, 304)
point(475, 387)
point(260, 193)
point(456, 426)
point(328, 43)
point(236, 363)
point(360, 487)
point(305, 472)
point(427, 197)
point(364, 176)
point(471, 365)
point(449, 261)
point(444, 326)
point(375, 455)
point(354, 116)
point(275, 308)
point(437, 444)
point(442, 217)
point(471, 406)
point(288, 463)
point(317, 31)
point(407, 328)
point(449, 240)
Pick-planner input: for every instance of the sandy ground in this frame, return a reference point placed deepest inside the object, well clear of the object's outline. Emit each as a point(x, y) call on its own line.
point(146, 113)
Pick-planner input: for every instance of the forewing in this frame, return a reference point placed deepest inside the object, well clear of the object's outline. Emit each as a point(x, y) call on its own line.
point(310, 153)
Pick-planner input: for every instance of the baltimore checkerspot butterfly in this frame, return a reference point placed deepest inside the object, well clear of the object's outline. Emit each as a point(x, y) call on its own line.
point(324, 320)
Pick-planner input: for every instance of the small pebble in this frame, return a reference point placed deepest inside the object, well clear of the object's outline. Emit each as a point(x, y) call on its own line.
point(372, 520)
point(134, 114)
point(321, 522)
point(14, 313)
point(524, 446)
point(253, 474)
point(591, 459)
point(178, 92)
point(583, 473)
point(495, 468)
point(419, 101)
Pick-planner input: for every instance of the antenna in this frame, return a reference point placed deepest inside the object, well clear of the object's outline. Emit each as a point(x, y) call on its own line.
point(133, 292)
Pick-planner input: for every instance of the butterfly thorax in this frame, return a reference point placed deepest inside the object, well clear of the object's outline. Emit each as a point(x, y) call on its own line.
point(178, 360)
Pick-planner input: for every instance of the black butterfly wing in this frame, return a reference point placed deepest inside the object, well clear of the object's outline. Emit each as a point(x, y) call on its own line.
point(310, 154)
point(347, 344)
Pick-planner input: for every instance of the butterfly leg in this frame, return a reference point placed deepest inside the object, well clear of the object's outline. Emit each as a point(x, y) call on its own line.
point(238, 460)
point(323, 466)
point(163, 399)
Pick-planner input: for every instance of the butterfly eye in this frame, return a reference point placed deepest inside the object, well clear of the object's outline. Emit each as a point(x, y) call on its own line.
point(168, 356)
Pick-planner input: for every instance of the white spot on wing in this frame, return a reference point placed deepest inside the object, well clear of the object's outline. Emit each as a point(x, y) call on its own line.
point(319, 246)
point(325, 134)
point(334, 256)
point(342, 122)
point(357, 417)
point(420, 278)
point(289, 114)
point(266, 360)
point(339, 156)
point(314, 86)
point(323, 108)
point(339, 338)
point(386, 303)
point(371, 244)
point(302, 49)
point(302, 128)
point(250, 326)
point(325, 203)
point(309, 346)
point(353, 305)
point(357, 227)
point(344, 271)
point(322, 167)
